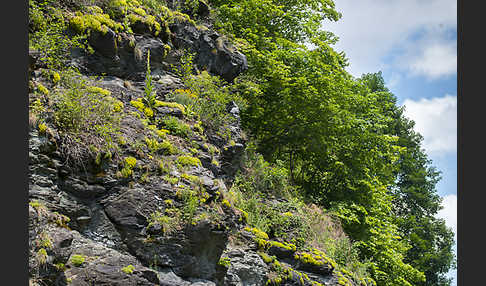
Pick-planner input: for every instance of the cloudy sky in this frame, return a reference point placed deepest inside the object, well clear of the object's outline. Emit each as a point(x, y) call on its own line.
point(413, 43)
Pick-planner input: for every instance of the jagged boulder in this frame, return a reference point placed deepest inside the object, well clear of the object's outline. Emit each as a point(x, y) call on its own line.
point(245, 268)
point(104, 43)
point(124, 55)
point(213, 52)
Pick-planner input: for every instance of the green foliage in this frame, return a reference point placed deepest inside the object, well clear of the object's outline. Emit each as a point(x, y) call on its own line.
point(85, 115)
point(258, 176)
point(172, 180)
point(191, 178)
point(292, 220)
point(167, 223)
point(207, 96)
point(128, 269)
point(168, 148)
point(56, 77)
point(225, 262)
point(138, 104)
point(93, 20)
point(129, 163)
point(42, 128)
point(292, 20)
point(36, 204)
point(415, 200)
point(60, 266)
point(152, 144)
point(149, 94)
point(325, 137)
point(98, 90)
point(42, 89)
point(191, 202)
point(42, 256)
point(257, 232)
point(188, 161)
point(315, 257)
point(176, 126)
point(60, 219)
point(170, 104)
point(48, 34)
point(328, 130)
point(45, 241)
point(78, 259)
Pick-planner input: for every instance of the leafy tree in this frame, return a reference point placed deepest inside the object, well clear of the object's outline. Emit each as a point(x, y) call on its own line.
point(416, 201)
point(329, 128)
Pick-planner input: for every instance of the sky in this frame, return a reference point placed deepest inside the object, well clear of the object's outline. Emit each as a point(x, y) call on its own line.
point(414, 44)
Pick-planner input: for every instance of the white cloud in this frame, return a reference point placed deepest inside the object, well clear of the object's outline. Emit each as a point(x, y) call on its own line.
point(371, 29)
point(436, 120)
point(436, 61)
point(432, 55)
point(449, 212)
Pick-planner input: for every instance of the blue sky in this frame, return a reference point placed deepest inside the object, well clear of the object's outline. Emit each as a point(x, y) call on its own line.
point(414, 44)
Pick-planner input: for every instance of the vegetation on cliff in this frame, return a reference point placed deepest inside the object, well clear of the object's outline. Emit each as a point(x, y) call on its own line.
point(333, 177)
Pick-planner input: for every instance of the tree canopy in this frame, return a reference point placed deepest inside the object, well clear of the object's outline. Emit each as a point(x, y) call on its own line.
point(345, 141)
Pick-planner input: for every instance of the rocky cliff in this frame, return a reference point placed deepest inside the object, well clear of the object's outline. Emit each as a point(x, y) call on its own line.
point(154, 213)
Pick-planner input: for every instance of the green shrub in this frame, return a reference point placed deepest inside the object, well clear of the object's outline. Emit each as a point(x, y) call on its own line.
point(177, 127)
point(128, 269)
point(138, 104)
point(129, 164)
point(56, 77)
point(170, 104)
point(171, 180)
point(257, 232)
point(42, 256)
point(94, 20)
point(208, 97)
point(42, 89)
point(168, 148)
point(77, 259)
point(152, 144)
point(48, 35)
point(99, 90)
point(259, 176)
point(191, 202)
point(85, 116)
point(165, 167)
point(188, 161)
point(168, 224)
point(45, 240)
point(191, 178)
point(225, 262)
point(42, 128)
point(149, 93)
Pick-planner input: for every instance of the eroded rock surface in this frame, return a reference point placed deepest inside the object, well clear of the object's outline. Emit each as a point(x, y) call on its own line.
point(90, 225)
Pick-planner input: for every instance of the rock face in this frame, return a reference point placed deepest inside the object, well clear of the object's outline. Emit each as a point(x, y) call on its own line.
point(246, 268)
point(91, 226)
point(213, 52)
point(126, 55)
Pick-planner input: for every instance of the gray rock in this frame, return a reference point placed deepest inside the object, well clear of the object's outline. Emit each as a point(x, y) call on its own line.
point(82, 189)
point(105, 44)
point(246, 268)
point(33, 59)
point(213, 52)
point(168, 80)
point(156, 48)
point(103, 266)
point(164, 111)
